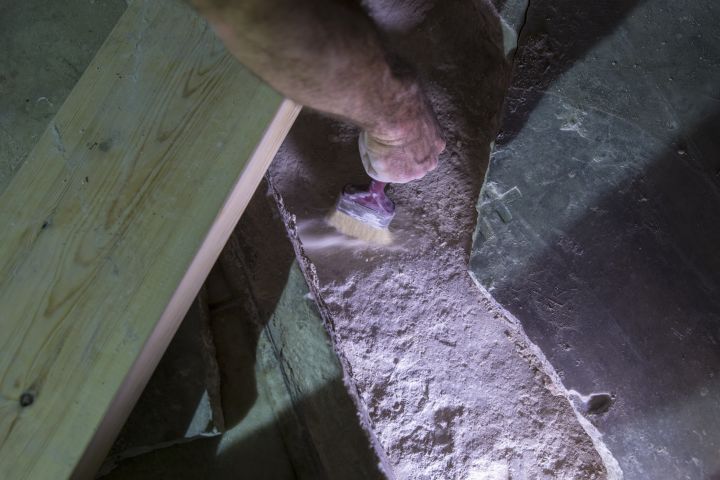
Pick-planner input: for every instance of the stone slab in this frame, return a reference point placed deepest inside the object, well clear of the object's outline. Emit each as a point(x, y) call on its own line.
point(599, 226)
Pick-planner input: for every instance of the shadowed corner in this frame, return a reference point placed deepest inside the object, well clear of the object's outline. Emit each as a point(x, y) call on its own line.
point(252, 451)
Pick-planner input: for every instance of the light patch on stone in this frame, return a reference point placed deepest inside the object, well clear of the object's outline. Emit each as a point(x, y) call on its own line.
point(202, 421)
point(489, 470)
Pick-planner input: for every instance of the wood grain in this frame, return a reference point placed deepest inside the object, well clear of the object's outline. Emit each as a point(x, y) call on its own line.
point(111, 226)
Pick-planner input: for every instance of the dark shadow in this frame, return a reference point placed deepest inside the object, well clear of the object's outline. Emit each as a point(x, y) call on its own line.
point(555, 36)
point(625, 298)
point(252, 456)
point(173, 394)
point(330, 420)
point(224, 323)
point(243, 290)
point(321, 431)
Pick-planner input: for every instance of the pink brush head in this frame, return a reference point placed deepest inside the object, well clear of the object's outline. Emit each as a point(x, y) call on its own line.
point(368, 204)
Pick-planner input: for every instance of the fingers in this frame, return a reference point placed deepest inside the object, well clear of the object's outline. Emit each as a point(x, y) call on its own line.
point(412, 153)
point(440, 145)
point(401, 169)
point(401, 164)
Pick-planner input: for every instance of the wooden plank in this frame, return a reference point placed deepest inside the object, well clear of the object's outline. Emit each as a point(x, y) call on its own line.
point(111, 226)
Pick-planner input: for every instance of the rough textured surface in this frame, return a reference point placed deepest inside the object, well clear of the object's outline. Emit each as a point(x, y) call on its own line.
point(599, 221)
point(449, 385)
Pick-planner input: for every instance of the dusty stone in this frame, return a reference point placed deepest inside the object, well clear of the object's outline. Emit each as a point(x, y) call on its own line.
point(596, 228)
point(447, 382)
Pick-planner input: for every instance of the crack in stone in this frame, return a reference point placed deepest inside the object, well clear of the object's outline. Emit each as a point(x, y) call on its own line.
point(526, 14)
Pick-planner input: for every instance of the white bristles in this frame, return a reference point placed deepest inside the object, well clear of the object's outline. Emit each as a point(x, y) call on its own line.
point(353, 227)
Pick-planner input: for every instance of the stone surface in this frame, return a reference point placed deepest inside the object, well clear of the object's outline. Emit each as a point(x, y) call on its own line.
point(599, 221)
point(44, 48)
point(314, 380)
point(447, 381)
point(512, 15)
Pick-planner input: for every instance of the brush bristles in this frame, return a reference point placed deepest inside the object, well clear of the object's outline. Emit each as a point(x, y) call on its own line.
point(353, 227)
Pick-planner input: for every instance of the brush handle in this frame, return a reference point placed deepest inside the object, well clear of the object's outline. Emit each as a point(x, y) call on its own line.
point(377, 187)
point(371, 196)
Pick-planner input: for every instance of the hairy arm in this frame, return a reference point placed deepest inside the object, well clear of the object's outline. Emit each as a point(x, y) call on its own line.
point(326, 54)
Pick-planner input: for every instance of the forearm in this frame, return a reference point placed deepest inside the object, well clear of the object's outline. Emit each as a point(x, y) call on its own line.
point(325, 54)
point(320, 53)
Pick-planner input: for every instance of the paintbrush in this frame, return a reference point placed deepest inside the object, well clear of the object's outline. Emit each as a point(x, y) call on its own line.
point(364, 212)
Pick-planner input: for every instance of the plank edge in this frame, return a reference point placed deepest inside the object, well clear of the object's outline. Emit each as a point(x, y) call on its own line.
point(188, 288)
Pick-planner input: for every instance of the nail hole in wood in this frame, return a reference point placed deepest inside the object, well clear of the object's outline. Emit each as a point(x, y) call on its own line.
point(26, 399)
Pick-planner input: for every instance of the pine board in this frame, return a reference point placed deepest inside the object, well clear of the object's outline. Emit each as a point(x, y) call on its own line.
point(111, 226)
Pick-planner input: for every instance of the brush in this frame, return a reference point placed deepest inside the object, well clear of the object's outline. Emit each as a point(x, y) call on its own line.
point(364, 212)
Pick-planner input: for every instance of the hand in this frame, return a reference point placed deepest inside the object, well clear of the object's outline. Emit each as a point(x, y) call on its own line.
point(407, 149)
